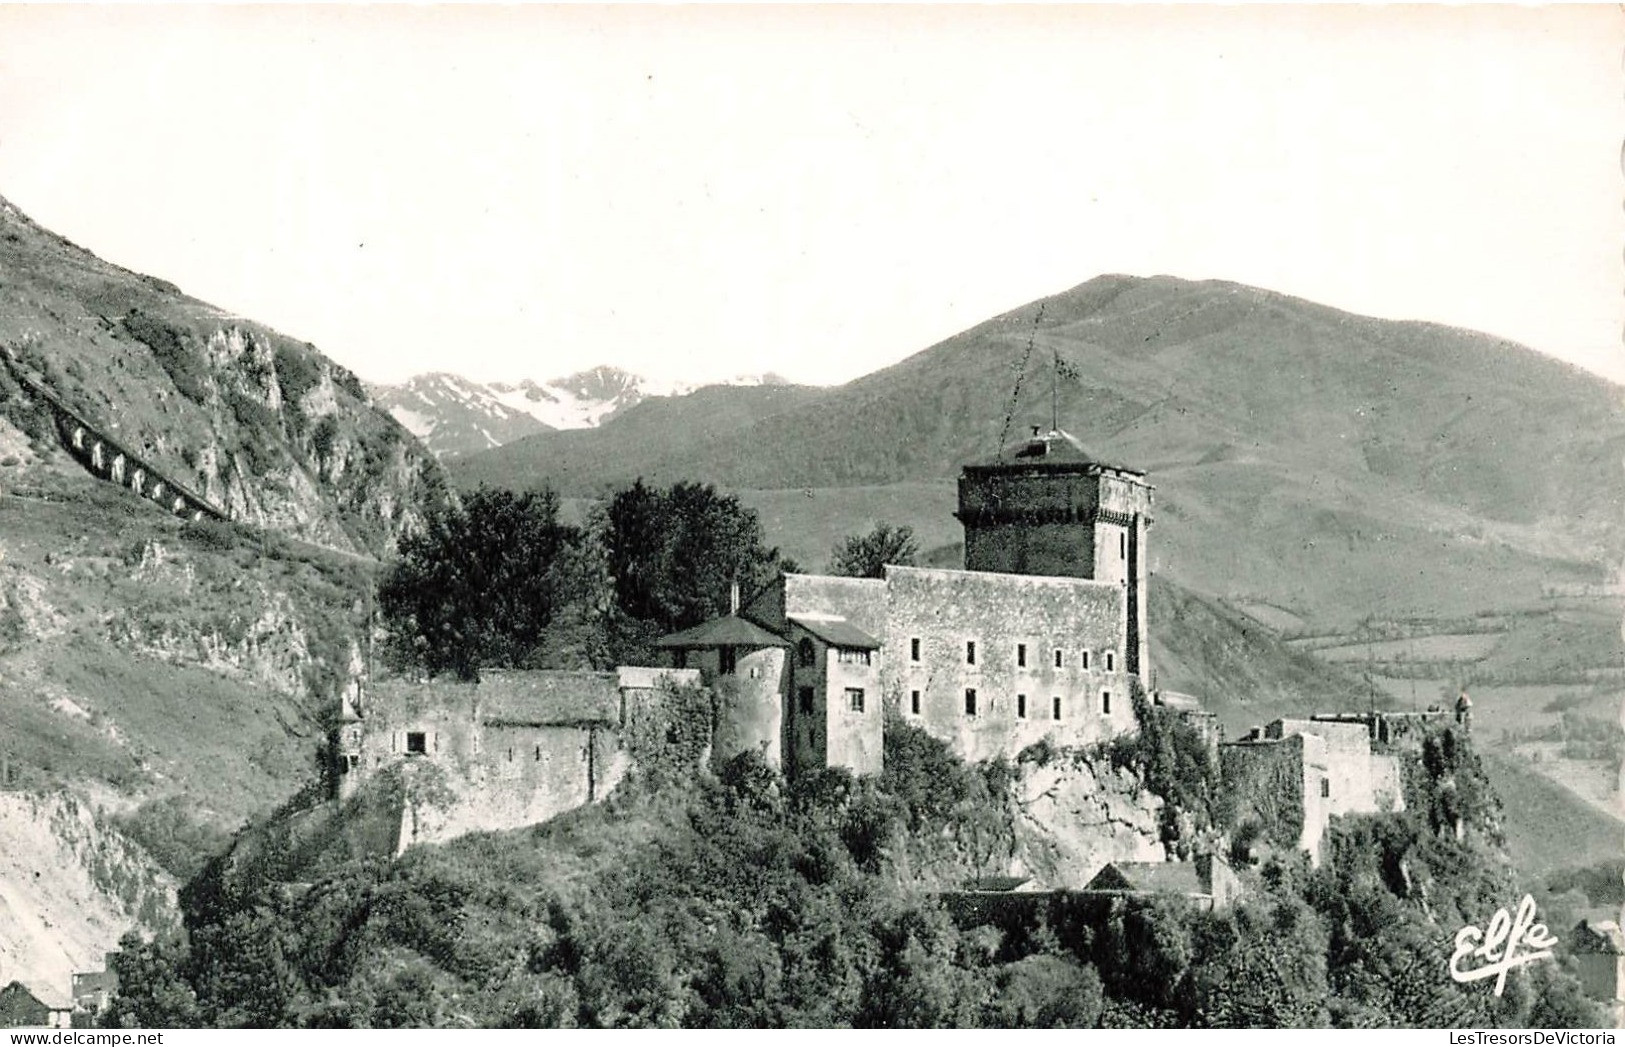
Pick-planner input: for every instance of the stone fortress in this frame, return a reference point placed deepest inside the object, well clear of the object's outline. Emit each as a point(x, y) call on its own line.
point(1042, 635)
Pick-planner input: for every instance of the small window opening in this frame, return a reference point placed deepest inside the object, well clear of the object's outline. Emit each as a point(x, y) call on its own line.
point(1086, 659)
point(417, 742)
point(970, 701)
point(914, 702)
point(804, 699)
point(1055, 708)
point(805, 655)
point(1325, 787)
point(970, 652)
point(854, 699)
point(1021, 707)
point(1021, 655)
point(1106, 702)
point(1109, 661)
point(914, 649)
point(538, 752)
point(1060, 658)
point(727, 661)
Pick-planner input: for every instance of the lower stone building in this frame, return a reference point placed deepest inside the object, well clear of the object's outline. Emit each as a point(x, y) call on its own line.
point(1206, 882)
point(1293, 776)
point(1598, 950)
point(514, 749)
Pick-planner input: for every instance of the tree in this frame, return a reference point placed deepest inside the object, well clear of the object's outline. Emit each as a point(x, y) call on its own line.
point(482, 584)
point(866, 555)
point(152, 990)
point(674, 553)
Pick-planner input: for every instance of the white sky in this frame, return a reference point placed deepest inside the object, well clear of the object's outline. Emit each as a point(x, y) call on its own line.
point(699, 192)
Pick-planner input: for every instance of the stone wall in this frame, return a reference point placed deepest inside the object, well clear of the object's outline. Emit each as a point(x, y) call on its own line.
point(518, 750)
point(1275, 782)
point(1001, 613)
point(750, 709)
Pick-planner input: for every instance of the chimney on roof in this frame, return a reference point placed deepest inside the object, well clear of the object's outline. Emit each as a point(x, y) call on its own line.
point(733, 597)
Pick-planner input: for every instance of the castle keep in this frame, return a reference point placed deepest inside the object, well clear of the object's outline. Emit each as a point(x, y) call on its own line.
point(1042, 635)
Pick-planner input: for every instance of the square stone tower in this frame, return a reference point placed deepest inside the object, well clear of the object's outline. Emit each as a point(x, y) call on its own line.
point(1047, 507)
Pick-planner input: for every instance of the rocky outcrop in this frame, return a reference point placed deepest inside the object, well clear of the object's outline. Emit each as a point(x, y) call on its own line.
point(70, 887)
point(1073, 813)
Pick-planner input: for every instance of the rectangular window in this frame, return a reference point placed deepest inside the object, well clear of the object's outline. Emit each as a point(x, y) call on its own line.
point(1086, 659)
point(1055, 708)
point(1021, 707)
point(1106, 702)
point(853, 656)
point(417, 742)
point(1109, 660)
point(1325, 787)
point(970, 701)
point(914, 702)
point(1021, 655)
point(1060, 658)
point(804, 700)
point(970, 652)
point(854, 699)
point(914, 649)
point(727, 661)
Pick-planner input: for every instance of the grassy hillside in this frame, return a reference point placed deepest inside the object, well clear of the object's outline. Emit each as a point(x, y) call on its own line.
point(262, 425)
point(1547, 827)
point(141, 657)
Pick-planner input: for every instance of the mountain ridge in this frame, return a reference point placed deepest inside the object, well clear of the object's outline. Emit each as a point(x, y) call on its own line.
point(456, 416)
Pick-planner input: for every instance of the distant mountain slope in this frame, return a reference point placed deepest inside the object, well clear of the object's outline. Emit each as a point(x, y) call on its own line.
point(262, 425)
point(1327, 460)
point(658, 431)
point(455, 416)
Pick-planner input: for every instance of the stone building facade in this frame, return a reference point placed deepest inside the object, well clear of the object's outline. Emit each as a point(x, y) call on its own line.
point(515, 749)
point(989, 663)
point(1042, 635)
point(1295, 775)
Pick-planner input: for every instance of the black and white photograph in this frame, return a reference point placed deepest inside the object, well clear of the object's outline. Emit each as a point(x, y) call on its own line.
point(810, 517)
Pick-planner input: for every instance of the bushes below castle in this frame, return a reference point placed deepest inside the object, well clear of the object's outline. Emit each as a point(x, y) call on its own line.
point(744, 900)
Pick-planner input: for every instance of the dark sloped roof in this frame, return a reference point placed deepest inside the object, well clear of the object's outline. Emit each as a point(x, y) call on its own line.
point(541, 698)
point(729, 631)
point(1601, 937)
point(1000, 884)
point(1056, 448)
point(837, 632)
point(1155, 877)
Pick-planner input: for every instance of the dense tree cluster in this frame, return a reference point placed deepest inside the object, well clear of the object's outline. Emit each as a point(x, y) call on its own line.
point(866, 555)
point(501, 581)
point(746, 900)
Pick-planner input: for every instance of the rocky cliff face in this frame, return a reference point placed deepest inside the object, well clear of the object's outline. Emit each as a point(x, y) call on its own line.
point(69, 889)
point(264, 426)
point(1072, 814)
